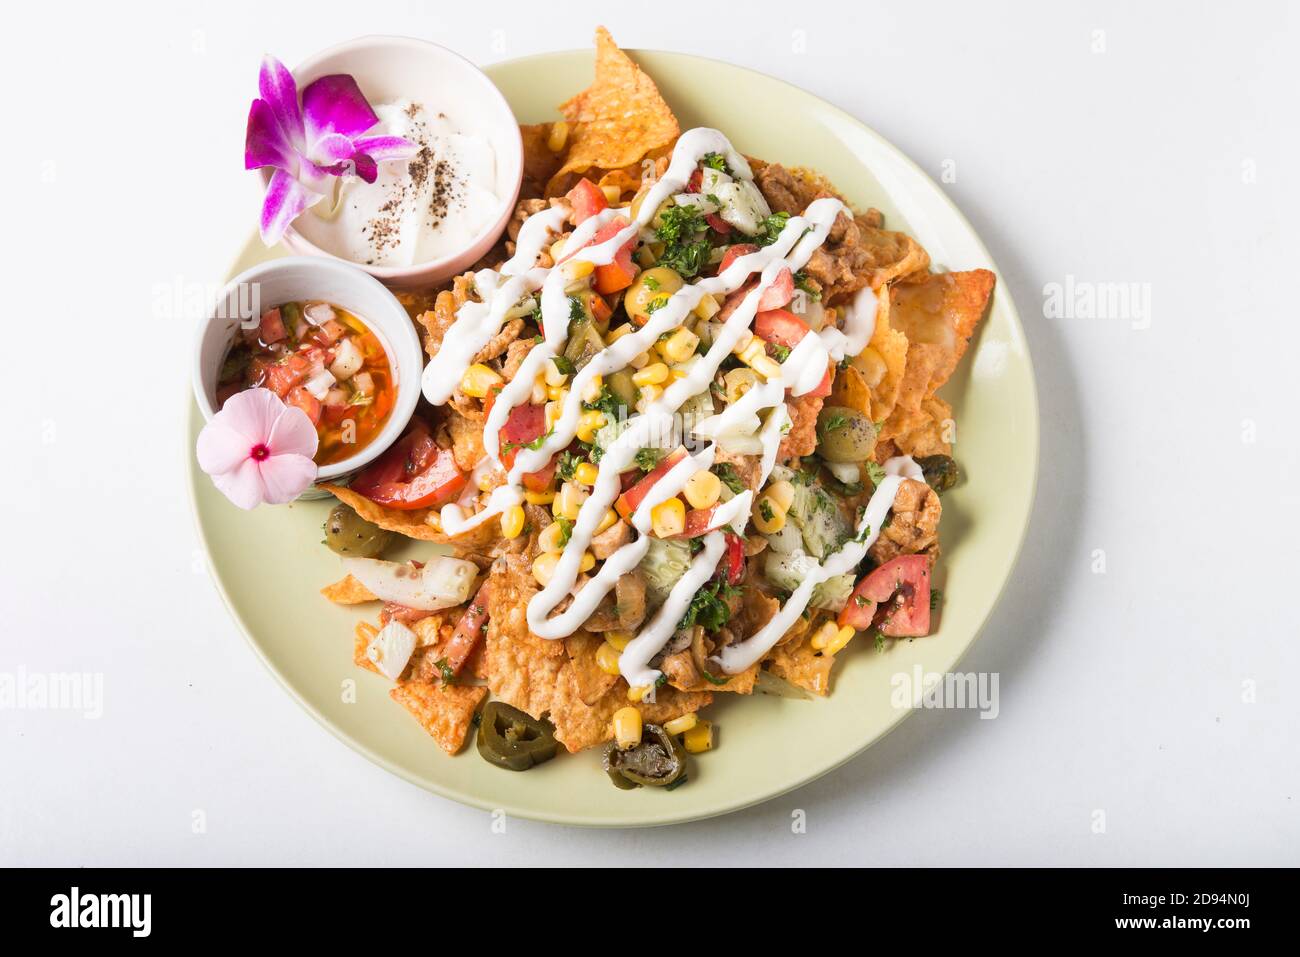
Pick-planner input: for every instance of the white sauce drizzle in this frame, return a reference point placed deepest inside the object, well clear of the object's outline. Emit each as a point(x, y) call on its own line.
point(804, 368)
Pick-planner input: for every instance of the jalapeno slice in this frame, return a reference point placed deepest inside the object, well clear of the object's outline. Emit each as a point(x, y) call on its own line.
point(513, 740)
point(658, 761)
point(940, 471)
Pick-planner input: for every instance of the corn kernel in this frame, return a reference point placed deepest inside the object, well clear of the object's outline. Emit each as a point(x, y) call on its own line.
point(484, 481)
point(824, 635)
point(756, 349)
point(702, 489)
point(768, 516)
point(557, 136)
point(640, 361)
point(540, 498)
point(782, 494)
point(549, 539)
point(539, 391)
point(608, 521)
point(744, 342)
point(544, 567)
point(699, 739)
point(618, 333)
point(707, 307)
point(638, 692)
point(591, 391)
point(649, 394)
point(737, 382)
point(680, 346)
point(619, 639)
point(554, 409)
point(512, 521)
point(627, 727)
point(651, 375)
point(576, 269)
point(478, 380)
point(842, 638)
point(682, 724)
point(588, 562)
point(568, 501)
point(607, 658)
point(557, 249)
point(668, 518)
point(612, 194)
point(585, 474)
point(766, 366)
point(553, 374)
point(589, 424)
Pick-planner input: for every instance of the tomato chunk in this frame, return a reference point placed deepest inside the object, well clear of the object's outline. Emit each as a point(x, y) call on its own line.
point(304, 400)
point(895, 598)
point(272, 327)
point(718, 224)
point(586, 200)
point(735, 558)
point(779, 293)
point(735, 252)
point(414, 473)
point(541, 480)
point(526, 423)
point(618, 274)
point(628, 502)
point(469, 630)
point(786, 329)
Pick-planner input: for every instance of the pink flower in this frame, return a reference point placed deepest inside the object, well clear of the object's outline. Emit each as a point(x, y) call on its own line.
point(257, 449)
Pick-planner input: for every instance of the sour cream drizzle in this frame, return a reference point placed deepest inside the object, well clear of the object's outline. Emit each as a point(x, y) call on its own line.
point(803, 369)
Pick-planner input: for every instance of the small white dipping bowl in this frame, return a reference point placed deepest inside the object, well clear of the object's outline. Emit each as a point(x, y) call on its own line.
point(392, 68)
point(312, 278)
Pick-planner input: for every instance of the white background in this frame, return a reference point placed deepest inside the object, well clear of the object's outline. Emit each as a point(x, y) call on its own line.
point(1161, 150)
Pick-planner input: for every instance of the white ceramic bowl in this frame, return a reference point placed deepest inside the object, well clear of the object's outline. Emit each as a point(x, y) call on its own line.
point(389, 68)
point(278, 281)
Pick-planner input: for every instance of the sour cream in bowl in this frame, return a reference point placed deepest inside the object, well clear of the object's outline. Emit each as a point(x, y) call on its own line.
point(429, 218)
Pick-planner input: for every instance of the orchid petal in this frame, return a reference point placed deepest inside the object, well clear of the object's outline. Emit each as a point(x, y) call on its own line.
point(335, 104)
point(293, 434)
point(285, 199)
point(220, 448)
point(280, 91)
point(285, 477)
point(384, 149)
point(332, 147)
point(243, 486)
point(265, 143)
point(365, 167)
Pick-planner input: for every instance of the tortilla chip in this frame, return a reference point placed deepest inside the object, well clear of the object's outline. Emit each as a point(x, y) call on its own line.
point(414, 523)
point(540, 163)
point(592, 682)
point(348, 591)
point(361, 636)
point(930, 436)
point(617, 120)
point(802, 438)
point(445, 711)
point(803, 666)
point(941, 310)
point(522, 669)
point(685, 675)
point(579, 725)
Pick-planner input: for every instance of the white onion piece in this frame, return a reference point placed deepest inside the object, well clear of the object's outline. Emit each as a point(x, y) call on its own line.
point(319, 313)
point(391, 649)
point(319, 383)
point(347, 360)
point(441, 583)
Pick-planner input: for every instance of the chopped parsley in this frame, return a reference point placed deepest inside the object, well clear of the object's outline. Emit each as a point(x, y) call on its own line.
point(834, 421)
point(805, 282)
point(778, 352)
point(566, 530)
point(534, 445)
point(936, 596)
point(647, 459)
point(655, 304)
point(567, 465)
point(678, 227)
point(879, 641)
point(650, 282)
point(727, 473)
point(770, 228)
point(577, 309)
point(875, 472)
point(709, 607)
point(564, 364)
point(716, 161)
point(607, 402)
point(765, 510)
point(448, 676)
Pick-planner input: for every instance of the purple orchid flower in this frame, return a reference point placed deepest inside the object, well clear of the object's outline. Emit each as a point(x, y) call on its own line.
point(308, 144)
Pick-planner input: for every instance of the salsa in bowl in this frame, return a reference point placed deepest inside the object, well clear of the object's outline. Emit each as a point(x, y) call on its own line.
point(326, 338)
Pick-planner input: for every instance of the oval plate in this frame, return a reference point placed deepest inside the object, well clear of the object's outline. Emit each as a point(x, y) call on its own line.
point(268, 564)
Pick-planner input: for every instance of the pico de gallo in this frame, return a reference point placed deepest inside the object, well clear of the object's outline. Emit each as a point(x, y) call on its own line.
point(322, 359)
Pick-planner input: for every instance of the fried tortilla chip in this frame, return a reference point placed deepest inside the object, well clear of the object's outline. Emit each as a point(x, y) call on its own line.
point(540, 164)
point(466, 441)
point(348, 591)
point(445, 711)
point(361, 637)
point(616, 121)
point(803, 666)
point(685, 675)
point(930, 435)
point(522, 669)
point(592, 682)
point(579, 725)
point(413, 523)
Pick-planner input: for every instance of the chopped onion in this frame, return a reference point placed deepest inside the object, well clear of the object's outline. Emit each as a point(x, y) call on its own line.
point(441, 583)
point(347, 360)
point(391, 649)
point(319, 313)
point(846, 472)
point(319, 383)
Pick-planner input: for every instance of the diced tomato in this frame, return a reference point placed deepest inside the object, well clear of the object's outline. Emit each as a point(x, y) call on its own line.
point(282, 377)
point(698, 521)
point(541, 480)
point(272, 327)
point(779, 293)
point(735, 559)
point(627, 502)
point(304, 400)
point(718, 224)
point(735, 252)
point(697, 178)
point(586, 200)
point(414, 473)
point(470, 628)
point(895, 598)
point(392, 611)
point(525, 424)
point(330, 332)
point(618, 274)
point(783, 328)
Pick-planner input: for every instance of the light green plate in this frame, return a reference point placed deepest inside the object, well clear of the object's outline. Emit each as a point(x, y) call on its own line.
point(269, 564)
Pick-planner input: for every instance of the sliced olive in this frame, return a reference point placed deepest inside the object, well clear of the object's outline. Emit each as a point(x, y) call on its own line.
point(658, 761)
point(844, 435)
point(347, 533)
point(940, 471)
point(584, 343)
point(513, 740)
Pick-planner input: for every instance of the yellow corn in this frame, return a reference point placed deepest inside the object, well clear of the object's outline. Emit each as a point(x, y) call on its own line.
point(768, 516)
point(651, 374)
point(588, 562)
point(539, 390)
point(766, 366)
point(589, 423)
point(585, 474)
point(649, 393)
point(554, 409)
point(612, 194)
point(782, 493)
point(638, 692)
point(824, 635)
point(608, 521)
point(478, 380)
point(668, 518)
point(627, 727)
point(576, 269)
point(591, 391)
point(842, 638)
point(702, 489)
point(699, 739)
point(544, 567)
point(553, 374)
point(484, 481)
point(549, 539)
point(607, 658)
point(757, 347)
point(640, 361)
point(558, 136)
point(568, 501)
point(512, 521)
point(707, 307)
point(680, 346)
point(619, 639)
point(540, 498)
point(683, 724)
point(557, 249)
point(872, 366)
point(744, 342)
point(618, 333)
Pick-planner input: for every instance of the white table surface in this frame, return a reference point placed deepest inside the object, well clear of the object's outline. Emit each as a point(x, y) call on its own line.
point(1155, 692)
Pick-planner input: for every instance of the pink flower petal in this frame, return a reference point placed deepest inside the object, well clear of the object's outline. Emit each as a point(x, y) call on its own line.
point(384, 149)
point(285, 199)
point(335, 104)
point(220, 448)
point(265, 143)
point(332, 148)
point(280, 92)
point(285, 477)
point(243, 486)
point(252, 414)
point(365, 167)
point(293, 434)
